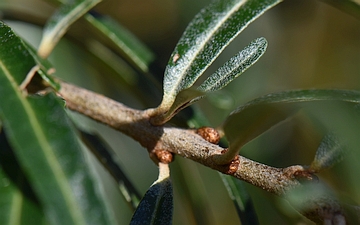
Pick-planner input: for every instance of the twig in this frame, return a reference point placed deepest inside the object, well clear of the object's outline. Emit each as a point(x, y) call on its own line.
point(186, 143)
point(159, 140)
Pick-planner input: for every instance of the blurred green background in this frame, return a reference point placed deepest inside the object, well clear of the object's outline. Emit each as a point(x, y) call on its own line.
point(311, 45)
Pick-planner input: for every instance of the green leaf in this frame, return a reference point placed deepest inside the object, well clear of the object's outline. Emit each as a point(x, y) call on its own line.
point(204, 39)
point(58, 173)
point(45, 144)
point(45, 68)
point(330, 152)
point(235, 66)
point(241, 200)
point(109, 159)
point(110, 60)
point(60, 22)
point(156, 207)
point(16, 207)
point(254, 118)
point(223, 76)
point(125, 42)
point(18, 203)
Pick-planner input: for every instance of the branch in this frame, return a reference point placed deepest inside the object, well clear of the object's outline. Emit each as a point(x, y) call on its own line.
point(163, 141)
point(186, 143)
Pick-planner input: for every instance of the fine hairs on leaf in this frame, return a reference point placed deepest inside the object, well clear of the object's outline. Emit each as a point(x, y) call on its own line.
point(214, 28)
point(235, 66)
point(222, 77)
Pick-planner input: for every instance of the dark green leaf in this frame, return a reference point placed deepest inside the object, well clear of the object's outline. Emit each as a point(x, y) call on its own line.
point(222, 77)
point(44, 142)
point(49, 79)
point(18, 203)
point(241, 200)
point(120, 73)
point(204, 39)
point(235, 66)
point(60, 22)
point(110, 162)
point(156, 207)
point(45, 68)
point(54, 161)
point(125, 42)
point(254, 118)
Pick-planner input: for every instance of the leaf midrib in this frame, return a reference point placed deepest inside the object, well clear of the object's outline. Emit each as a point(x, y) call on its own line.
point(54, 165)
point(139, 61)
point(173, 91)
point(54, 33)
point(70, 16)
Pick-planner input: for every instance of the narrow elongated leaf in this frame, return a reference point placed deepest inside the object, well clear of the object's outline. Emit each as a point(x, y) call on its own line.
point(18, 203)
point(204, 39)
point(60, 22)
point(125, 42)
point(156, 206)
point(241, 200)
point(110, 162)
point(57, 172)
point(257, 116)
point(330, 152)
point(222, 77)
point(44, 142)
point(235, 66)
point(16, 207)
point(45, 68)
point(121, 73)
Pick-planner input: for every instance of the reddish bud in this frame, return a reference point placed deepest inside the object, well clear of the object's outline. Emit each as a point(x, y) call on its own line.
point(234, 165)
point(209, 134)
point(162, 156)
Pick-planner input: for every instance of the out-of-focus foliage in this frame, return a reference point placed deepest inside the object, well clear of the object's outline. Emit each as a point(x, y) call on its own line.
point(311, 45)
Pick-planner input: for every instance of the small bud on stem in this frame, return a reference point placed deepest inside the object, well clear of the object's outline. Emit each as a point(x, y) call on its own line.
point(209, 134)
